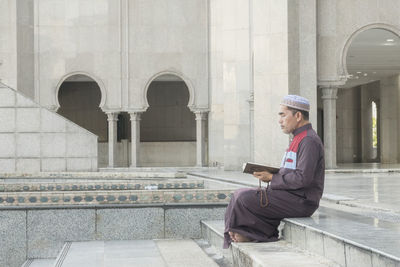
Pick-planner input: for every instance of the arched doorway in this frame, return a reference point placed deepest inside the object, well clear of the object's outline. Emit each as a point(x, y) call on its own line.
point(79, 97)
point(367, 113)
point(168, 127)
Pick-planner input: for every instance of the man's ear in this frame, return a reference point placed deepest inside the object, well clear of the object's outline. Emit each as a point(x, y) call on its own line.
point(299, 116)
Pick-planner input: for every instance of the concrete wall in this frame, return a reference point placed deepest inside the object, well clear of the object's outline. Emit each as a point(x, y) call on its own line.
point(348, 123)
point(250, 72)
point(302, 51)
point(77, 36)
point(25, 48)
point(167, 35)
point(216, 114)
point(152, 154)
point(389, 120)
point(35, 233)
point(8, 42)
point(34, 139)
point(236, 60)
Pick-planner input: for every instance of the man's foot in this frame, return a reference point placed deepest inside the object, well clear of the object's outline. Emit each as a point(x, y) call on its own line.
point(232, 236)
point(241, 238)
point(235, 237)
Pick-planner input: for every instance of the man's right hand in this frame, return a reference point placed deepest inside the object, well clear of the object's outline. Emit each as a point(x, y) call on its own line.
point(263, 176)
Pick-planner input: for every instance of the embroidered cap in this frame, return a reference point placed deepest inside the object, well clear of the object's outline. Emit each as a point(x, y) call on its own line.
point(297, 102)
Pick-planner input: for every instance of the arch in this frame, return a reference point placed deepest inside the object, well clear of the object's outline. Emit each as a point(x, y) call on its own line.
point(343, 55)
point(94, 78)
point(181, 76)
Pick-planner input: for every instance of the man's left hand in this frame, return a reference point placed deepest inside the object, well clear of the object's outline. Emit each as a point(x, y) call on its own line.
point(263, 176)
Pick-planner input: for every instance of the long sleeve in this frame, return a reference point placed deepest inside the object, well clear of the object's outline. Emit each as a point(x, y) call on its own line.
point(308, 157)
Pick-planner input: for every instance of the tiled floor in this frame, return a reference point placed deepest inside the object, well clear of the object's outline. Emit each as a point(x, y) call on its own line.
point(136, 253)
point(365, 166)
point(373, 190)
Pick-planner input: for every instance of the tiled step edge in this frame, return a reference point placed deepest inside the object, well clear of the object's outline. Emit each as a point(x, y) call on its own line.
point(62, 255)
point(38, 262)
point(27, 263)
point(260, 254)
point(215, 238)
point(170, 184)
point(100, 198)
point(383, 170)
point(340, 250)
point(93, 175)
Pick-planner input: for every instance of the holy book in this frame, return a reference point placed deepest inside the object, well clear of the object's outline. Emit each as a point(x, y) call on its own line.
point(250, 167)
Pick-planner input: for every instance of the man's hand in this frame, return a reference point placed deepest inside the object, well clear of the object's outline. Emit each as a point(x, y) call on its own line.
point(263, 176)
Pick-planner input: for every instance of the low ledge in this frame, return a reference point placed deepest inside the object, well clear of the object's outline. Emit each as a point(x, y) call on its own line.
point(280, 253)
point(119, 206)
point(345, 238)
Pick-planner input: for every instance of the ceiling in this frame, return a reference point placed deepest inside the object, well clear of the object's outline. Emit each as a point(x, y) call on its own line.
point(373, 55)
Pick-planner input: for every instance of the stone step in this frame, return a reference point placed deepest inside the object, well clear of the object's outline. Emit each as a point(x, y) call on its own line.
point(133, 253)
point(348, 239)
point(345, 238)
point(39, 263)
point(279, 253)
point(102, 185)
point(91, 175)
point(156, 169)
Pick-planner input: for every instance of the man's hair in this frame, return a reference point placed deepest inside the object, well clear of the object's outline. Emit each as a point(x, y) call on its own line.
point(306, 115)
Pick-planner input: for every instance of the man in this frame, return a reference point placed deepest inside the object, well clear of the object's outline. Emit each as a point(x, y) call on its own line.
point(254, 214)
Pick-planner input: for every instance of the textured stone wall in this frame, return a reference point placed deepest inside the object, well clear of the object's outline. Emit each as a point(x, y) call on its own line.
point(34, 139)
point(34, 237)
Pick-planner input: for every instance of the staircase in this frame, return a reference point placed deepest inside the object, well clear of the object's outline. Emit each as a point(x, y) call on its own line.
point(329, 238)
point(174, 231)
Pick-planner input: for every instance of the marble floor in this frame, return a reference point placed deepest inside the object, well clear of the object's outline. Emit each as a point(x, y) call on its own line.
point(372, 165)
point(377, 191)
point(135, 253)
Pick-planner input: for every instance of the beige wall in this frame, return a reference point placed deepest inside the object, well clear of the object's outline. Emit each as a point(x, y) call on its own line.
point(8, 42)
point(34, 139)
point(25, 48)
point(348, 123)
point(166, 35)
point(389, 99)
point(152, 154)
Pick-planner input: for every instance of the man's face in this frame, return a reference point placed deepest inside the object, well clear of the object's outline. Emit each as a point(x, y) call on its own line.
point(287, 120)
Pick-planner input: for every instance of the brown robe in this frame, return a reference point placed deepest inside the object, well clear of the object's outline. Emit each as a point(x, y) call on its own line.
point(293, 192)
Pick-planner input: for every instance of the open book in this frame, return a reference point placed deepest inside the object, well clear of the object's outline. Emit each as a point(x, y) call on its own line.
point(253, 167)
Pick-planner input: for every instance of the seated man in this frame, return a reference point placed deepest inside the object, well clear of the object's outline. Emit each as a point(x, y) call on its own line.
point(254, 214)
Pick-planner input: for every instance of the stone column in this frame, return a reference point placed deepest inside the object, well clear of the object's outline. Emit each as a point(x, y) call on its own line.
point(251, 104)
point(201, 120)
point(112, 119)
point(329, 96)
point(135, 138)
